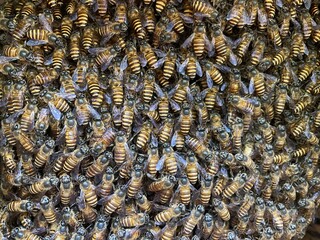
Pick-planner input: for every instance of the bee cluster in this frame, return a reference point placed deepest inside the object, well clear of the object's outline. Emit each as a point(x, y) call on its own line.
point(165, 119)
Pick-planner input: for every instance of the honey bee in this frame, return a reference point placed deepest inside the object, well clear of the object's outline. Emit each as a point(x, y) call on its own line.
point(306, 69)
point(150, 19)
point(75, 158)
point(243, 46)
point(143, 203)
point(172, 212)
point(43, 185)
point(88, 190)
point(274, 33)
point(88, 213)
point(66, 188)
point(265, 129)
point(148, 54)
point(23, 26)
point(14, 52)
point(44, 153)
point(135, 220)
point(27, 165)
point(135, 182)
point(99, 165)
point(221, 208)
point(149, 85)
point(104, 56)
point(79, 233)
point(193, 219)
point(260, 209)
point(169, 160)
point(115, 201)
point(276, 216)
point(307, 24)
point(20, 206)
point(25, 220)
point(281, 56)
point(46, 206)
point(199, 40)
point(237, 184)
point(136, 22)
point(258, 51)
point(22, 233)
point(66, 27)
point(84, 110)
point(241, 103)
point(169, 63)
point(100, 228)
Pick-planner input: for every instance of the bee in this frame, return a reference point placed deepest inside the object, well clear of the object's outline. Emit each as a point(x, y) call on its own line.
point(66, 188)
point(47, 76)
point(23, 26)
point(135, 220)
point(166, 129)
point(135, 182)
point(66, 27)
point(136, 22)
point(26, 220)
point(281, 98)
point(302, 224)
point(241, 103)
point(148, 54)
point(28, 117)
point(104, 56)
point(79, 234)
point(198, 147)
point(237, 132)
point(274, 33)
point(46, 206)
point(169, 64)
point(82, 15)
point(303, 102)
point(257, 81)
point(14, 51)
point(100, 228)
point(88, 213)
point(121, 149)
point(221, 208)
point(43, 185)
point(220, 44)
point(169, 231)
point(245, 161)
point(243, 46)
point(149, 85)
point(143, 203)
point(115, 201)
point(199, 40)
point(163, 183)
point(27, 165)
point(150, 19)
point(276, 216)
point(111, 29)
point(169, 160)
point(248, 202)
point(8, 157)
point(99, 165)
point(26, 142)
point(20, 206)
point(75, 158)
point(16, 97)
point(232, 188)
point(172, 212)
point(44, 153)
point(258, 51)
point(175, 18)
point(84, 110)
point(260, 209)
point(22, 233)
point(281, 56)
point(106, 185)
point(193, 219)
point(265, 129)
point(307, 24)
point(306, 69)
point(88, 190)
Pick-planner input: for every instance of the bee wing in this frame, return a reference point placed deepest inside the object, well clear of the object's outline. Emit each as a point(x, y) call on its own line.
point(170, 26)
point(188, 41)
point(198, 69)
point(44, 22)
point(186, 19)
point(107, 63)
point(233, 59)
point(159, 63)
point(124, 63)
point(175, 106)
point(244, 88)
point(143, 60)
point(279, 3)
point(95, 51)
point(159, 91)
point(55, 112)
point(262, 16)
point(32, 43)
point(106, 38)
point(209, 80)
point(251, 86)
point(160, 163)
point(307, 4)
point(232, 13)
point(208, 43)
point(180, 159)
point(159, 53)
point(94, 112)
point(181, 68)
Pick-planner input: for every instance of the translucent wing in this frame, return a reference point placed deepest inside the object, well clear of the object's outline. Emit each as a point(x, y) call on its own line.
point(160, 163)
point(4, 59)
point(188, 41)
point(55, 112)
point(44, 22)
point(36, 42)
